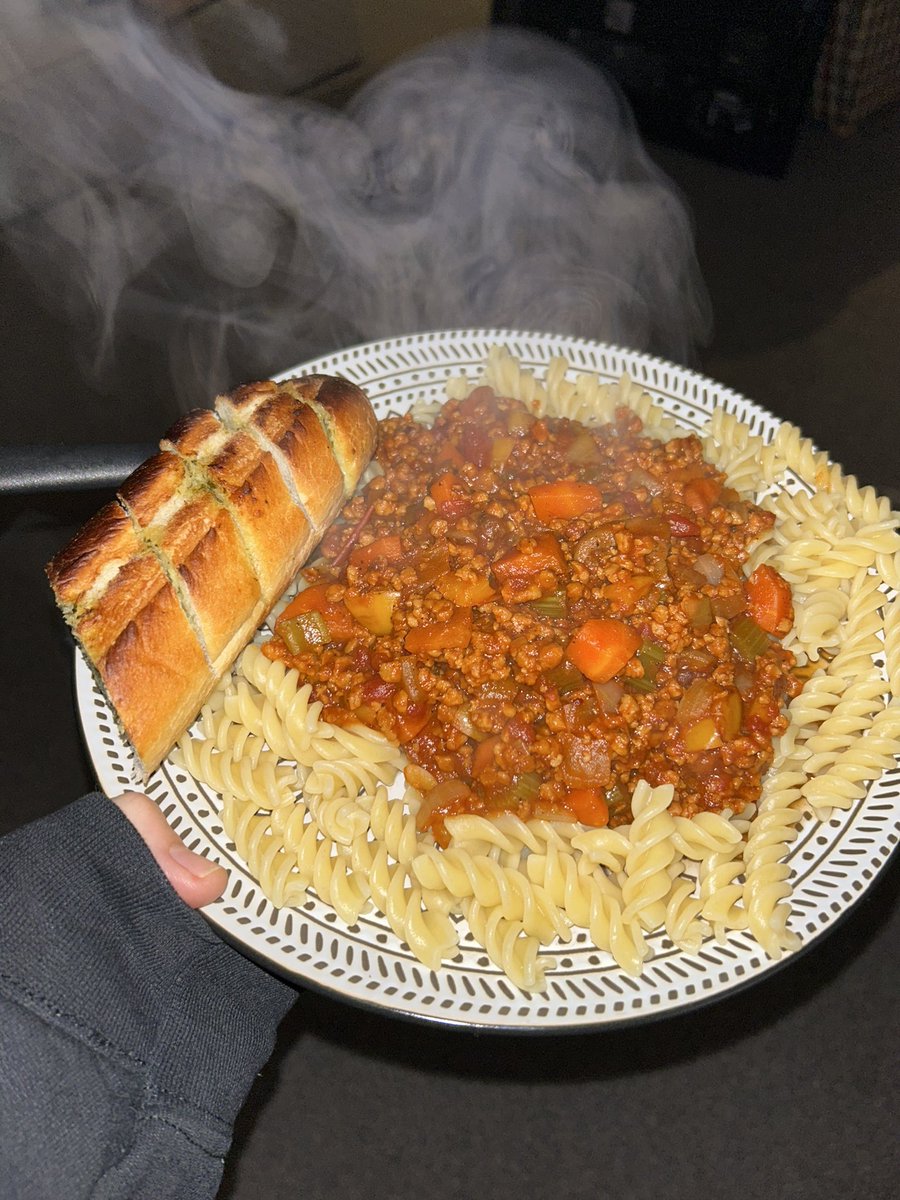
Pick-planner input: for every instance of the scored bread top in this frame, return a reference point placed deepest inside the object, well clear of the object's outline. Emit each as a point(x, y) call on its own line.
point(349, 425)
point(163, 587)
point(85, 566)
point(156, 676)
point(134, 633)
point(275, 530)
point(293, 434)
point(246, 480)
point(200, 550)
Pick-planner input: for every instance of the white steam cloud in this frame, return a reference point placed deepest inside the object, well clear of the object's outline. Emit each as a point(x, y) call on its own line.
point(494, 180)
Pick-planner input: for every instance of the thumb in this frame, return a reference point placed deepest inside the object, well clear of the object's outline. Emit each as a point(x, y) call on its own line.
point(196, 880)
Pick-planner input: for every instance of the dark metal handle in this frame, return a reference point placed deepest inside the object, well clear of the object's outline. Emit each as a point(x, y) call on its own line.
point(48, 468)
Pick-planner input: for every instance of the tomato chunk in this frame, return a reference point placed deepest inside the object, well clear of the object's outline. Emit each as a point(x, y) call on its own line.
point(451, 496)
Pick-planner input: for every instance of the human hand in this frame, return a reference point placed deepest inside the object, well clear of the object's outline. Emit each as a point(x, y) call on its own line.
point(195, 879)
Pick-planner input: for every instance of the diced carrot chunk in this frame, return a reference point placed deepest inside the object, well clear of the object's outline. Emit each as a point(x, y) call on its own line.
point(541, 553)
point(454, 634)
point(602, 647)
point(769, 601)
point(589, 806)
point(566, 498)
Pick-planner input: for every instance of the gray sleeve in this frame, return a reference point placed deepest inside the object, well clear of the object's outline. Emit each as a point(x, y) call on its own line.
point(129, 1032)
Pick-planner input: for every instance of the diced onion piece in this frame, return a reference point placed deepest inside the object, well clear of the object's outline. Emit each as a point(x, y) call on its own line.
point(583, 449)
point(519, 420)
point(441, 799)
point(410, 678)
point(462, 719)
point(728, 606)
point(697, 703)
point(501, 448)
point(638, 477)
point(710, 568)
point(743, 681)
point(698, 610)
point(697, 660)
point(609, 694)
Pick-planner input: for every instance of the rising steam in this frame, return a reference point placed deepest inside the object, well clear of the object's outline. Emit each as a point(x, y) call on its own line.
point(493, 180)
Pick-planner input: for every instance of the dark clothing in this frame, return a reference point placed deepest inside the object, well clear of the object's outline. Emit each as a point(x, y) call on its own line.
point(129, 1032)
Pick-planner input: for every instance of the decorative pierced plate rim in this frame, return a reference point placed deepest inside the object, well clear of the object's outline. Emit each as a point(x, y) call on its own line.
point(833, 863)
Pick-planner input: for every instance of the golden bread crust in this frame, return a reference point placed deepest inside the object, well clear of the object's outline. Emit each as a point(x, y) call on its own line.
point(99, 624)
point(104, 543)
point(152, 487)
point(165, 586)
point(275, 531)
point(347, 418)
point(296, 437)
point(156, 675)
point(191, 432)
point(201, 545)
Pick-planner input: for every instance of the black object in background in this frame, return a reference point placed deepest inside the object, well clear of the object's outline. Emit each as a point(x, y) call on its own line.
point(728, 81)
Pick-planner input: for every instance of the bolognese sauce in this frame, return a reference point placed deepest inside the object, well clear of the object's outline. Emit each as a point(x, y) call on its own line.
point(542, 613)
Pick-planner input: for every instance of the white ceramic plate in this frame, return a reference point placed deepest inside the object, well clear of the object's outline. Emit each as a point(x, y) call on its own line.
point(832, 864)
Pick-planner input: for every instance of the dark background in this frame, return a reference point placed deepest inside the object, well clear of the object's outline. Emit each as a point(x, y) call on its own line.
point(789, 1089)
